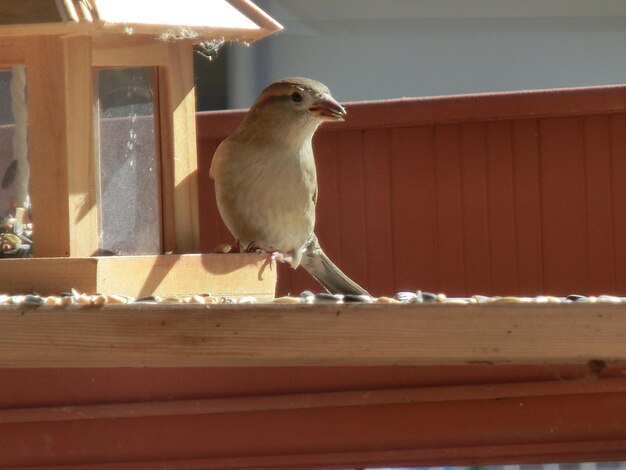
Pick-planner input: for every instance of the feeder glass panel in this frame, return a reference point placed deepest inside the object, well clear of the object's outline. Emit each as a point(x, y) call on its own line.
point(15, 227)
point(126, 141)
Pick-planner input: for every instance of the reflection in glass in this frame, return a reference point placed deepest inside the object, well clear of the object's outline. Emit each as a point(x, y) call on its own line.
point(15, 226)
point(126, 145)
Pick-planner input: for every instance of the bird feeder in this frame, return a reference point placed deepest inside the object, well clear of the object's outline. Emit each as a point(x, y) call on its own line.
point(98, 134)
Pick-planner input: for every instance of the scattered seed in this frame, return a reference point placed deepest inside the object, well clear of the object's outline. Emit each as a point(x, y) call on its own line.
point(288, 300)
point(407, 296)
point(357, 298)
point(117, 299)
point(52, 300)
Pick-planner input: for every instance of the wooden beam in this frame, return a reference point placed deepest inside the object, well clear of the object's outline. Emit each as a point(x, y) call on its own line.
point(194, 34)
point(81, 165)
point(179, 163)
point(178, 276)
point(42, 29)
point(267, 24)
point(45, 65)
point(59, 83)
point(115, 52)
point(329, 335)
point(25, 12)
point(410, 112)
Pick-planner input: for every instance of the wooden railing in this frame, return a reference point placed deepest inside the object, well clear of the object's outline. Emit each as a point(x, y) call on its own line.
point(507, 193)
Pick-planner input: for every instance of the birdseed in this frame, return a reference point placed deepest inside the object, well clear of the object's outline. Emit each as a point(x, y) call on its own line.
point(307, 297)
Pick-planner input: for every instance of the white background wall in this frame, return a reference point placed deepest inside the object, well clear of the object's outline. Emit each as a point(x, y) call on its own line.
point(374, 49)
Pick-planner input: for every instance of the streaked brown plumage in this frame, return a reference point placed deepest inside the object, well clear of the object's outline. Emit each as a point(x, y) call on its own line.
point(265, 177)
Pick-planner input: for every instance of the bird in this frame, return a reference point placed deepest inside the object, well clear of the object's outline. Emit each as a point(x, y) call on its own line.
point(265, 178)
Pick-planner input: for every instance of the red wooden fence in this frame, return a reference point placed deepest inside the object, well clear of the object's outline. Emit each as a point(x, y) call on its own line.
point(508, 193)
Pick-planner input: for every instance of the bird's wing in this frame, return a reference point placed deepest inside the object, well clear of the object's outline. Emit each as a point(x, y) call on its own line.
point(217, 156)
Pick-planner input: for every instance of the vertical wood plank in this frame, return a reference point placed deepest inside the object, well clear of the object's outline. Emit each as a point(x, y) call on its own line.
point(379, 223)
point(83, 208)
point(449, 210)
point(563, 205)
point(413, 202)
point(285, 281)
point(618, 187)
point(599, 204)
point(351, 205)
point(526, 170)
point(501, 208)
point(166, 149)
point(47, 144)
point(178, 150)
point(476, 220)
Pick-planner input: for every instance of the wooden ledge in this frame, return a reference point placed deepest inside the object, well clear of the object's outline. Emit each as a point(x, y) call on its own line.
point(420, 111)
point(312, 335)
point(165, 275)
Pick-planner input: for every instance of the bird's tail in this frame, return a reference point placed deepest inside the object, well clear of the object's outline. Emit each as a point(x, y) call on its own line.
point(318, 265)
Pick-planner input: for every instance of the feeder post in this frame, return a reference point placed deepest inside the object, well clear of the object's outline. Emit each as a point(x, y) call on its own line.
point(181, 229)
point(61, 154)
point(82, 171)
point(49, 192)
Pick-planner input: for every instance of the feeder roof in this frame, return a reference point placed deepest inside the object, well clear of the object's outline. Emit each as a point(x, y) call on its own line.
point(195, 20)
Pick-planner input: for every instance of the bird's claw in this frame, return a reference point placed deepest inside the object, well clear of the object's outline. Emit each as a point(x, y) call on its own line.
point(276, 256)
point(271, 259)
point(251, 248)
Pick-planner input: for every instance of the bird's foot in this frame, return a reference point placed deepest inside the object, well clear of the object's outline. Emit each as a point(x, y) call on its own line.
point(276, 256)
point(272, 258)
point(250, 248)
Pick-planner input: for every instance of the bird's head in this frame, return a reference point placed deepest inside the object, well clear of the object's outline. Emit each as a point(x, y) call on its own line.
point(295, 106)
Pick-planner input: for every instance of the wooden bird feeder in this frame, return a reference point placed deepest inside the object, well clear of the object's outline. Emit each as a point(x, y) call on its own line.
point(100, 145)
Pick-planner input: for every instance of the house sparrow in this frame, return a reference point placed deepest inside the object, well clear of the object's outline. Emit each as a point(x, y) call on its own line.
point(266, 182)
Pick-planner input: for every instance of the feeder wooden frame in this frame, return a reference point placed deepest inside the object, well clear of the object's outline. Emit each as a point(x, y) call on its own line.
point(59, 61)
point(60, 169)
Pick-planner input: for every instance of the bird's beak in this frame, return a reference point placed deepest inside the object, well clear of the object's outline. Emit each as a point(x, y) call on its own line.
point(328, 109)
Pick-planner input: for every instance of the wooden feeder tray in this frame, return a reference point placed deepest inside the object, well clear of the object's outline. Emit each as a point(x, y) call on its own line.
point(162, 275)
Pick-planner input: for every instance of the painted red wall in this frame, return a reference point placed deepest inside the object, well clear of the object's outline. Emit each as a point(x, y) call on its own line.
point(508, 193)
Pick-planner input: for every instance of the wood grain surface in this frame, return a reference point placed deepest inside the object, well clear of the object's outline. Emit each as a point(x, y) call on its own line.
point(329, 335)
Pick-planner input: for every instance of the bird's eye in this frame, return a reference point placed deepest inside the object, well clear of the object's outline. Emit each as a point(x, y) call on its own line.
point(296, 97)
